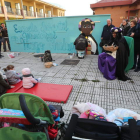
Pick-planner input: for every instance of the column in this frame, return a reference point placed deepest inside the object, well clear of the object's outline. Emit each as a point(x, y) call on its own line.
point(35, 10)
point(4, 9)
point(52, 12)
point(22, 10)
point(44, 10)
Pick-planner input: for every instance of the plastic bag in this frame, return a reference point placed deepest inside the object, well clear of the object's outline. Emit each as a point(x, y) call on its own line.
point(11, 55)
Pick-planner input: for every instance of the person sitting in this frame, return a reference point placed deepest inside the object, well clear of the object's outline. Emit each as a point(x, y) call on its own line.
point(28, 78)
point(4, 85)
point(113, 61)
point(12, 77)
point(125, 27)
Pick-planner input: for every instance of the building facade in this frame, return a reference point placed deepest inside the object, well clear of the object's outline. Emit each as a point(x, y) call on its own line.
point(27, 9)
point(119, 9)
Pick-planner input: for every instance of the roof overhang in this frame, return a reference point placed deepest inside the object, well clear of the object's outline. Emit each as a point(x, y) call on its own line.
point(108, 4)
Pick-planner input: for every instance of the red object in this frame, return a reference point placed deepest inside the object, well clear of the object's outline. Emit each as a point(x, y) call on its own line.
point(15, 120)
point(49, 92)
point(16, 88)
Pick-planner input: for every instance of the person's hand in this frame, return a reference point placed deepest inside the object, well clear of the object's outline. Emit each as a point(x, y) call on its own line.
point(12, 86)
point(132, 34)
point(101, 37)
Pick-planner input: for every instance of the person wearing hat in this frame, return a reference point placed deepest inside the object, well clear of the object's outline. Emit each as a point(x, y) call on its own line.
point(114, 60)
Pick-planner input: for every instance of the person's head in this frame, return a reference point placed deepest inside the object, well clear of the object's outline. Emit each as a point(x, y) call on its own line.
point(114, 35)
point(108, 22)
point(2, 24)
point(26, 71)
point(133, 23)
point(86, 26)
point(124, 22)
point(136, 18)
point(9, 67)
point(116, 32)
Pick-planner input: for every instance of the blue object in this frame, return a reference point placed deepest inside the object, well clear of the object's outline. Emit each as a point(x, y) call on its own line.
point(119, 122)
point(81, 54)
point(11, 112)
point(125, 119)
point(56, 34)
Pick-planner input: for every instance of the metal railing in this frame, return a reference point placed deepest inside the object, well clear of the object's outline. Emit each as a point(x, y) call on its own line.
point(40, 14)
point(13, 11)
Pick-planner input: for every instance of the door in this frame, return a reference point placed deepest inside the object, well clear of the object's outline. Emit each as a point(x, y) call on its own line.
point(25, 10)
point(18, 9)
point(41, 12)
point(31, 11)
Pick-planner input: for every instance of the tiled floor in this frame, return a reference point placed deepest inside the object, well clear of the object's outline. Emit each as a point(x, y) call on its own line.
point(107, 94)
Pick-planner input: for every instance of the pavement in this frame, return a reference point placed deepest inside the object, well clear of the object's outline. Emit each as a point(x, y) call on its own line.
point(94, 88)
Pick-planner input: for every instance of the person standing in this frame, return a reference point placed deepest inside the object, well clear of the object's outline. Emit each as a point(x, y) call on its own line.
point(125, 27)
point(106, 34)
point(5, 37)
point(135, 33)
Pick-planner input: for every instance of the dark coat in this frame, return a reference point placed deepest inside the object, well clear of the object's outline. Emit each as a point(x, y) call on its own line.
point(125, 29)
point(136, 31)
point(4, 32)
point(106, 34)
point(121, 57)
point(3, 86)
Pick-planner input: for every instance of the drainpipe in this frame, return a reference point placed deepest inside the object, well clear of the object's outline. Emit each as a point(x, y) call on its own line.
point(128, 14)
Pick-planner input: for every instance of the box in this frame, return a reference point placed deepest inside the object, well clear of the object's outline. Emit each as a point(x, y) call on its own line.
point(88, 52)
point(88, 48)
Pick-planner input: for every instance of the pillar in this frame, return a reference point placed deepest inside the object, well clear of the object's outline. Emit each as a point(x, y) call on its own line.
point(44, 10)
point(51, 12)
point(22, 10)
point(35, 9)
point(4, 9)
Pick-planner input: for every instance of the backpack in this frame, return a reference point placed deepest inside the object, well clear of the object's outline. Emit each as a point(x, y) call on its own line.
point(47, 56)
point(81, 43)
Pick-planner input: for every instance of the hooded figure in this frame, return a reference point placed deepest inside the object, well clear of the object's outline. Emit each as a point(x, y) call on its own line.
point(86, 27)
point(114, 60)
point(28, 79)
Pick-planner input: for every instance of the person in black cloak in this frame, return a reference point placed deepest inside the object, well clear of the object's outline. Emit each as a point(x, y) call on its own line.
point(86, 27)
point(114, 60)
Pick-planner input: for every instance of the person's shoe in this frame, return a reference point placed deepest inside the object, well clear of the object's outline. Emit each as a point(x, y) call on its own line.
point(39, 79)
point(137, 70)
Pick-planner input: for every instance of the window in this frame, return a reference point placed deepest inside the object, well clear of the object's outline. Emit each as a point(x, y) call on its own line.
point(41, 12)
point(8, 6)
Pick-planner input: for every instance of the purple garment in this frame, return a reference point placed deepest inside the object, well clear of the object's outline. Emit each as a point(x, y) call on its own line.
point(107, 65)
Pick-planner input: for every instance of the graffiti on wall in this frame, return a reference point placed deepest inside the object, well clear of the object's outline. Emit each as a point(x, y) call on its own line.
point(31, 36)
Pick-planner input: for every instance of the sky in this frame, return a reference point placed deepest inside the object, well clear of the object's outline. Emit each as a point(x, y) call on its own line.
point(75, 7)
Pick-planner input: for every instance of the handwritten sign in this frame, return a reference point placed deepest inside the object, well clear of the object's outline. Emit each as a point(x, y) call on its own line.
point(56, 34)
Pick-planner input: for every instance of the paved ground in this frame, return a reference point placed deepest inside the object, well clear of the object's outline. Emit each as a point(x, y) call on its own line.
point(107, 94)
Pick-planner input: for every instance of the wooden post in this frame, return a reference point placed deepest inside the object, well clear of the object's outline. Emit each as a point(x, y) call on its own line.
point(51, 12)
point(22, 10)
point(44, 10)
point(35, 9)
point(4, 9)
